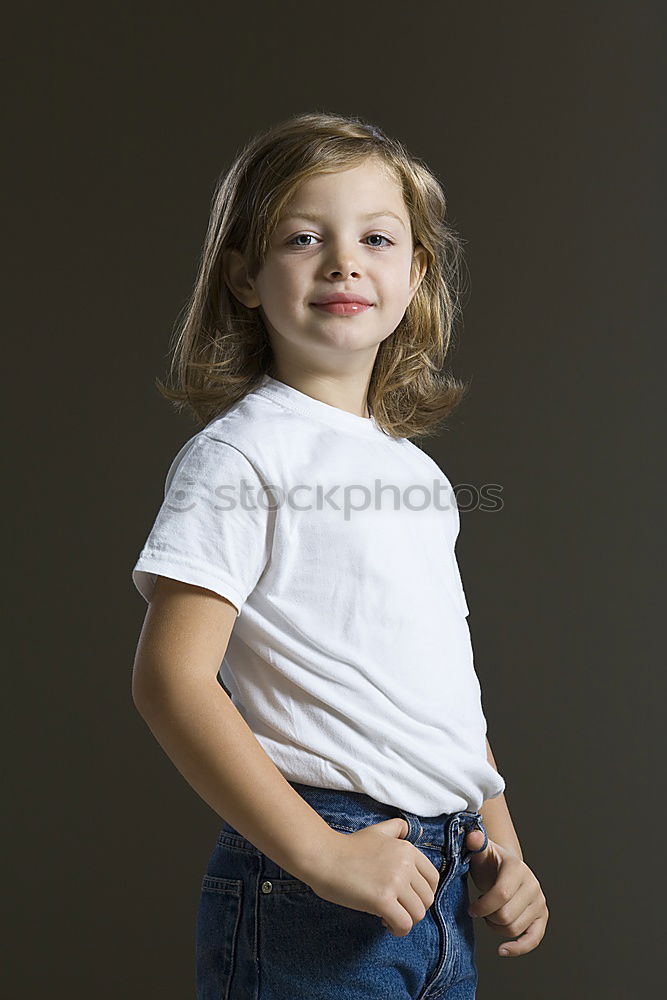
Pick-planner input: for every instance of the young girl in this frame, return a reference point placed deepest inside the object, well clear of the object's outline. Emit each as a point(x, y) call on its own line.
point(305, 659)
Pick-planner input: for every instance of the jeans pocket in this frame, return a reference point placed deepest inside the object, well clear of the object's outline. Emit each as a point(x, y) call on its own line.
point(218, 919)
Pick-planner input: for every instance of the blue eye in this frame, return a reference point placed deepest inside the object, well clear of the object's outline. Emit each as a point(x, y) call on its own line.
point(311, 237)
point(381, 237)
point(307, 235)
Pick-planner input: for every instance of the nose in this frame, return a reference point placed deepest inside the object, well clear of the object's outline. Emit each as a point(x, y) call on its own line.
point(343, 263)
point(343, 271)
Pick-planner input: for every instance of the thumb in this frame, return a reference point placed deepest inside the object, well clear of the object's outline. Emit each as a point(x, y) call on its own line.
point(394, 827)
point(474, 840)
point(404, 827)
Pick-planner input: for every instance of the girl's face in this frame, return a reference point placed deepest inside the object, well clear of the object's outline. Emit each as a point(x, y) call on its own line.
point(347, 231)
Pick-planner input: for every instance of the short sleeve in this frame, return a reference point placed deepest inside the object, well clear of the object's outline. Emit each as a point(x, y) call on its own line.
point(213, 528)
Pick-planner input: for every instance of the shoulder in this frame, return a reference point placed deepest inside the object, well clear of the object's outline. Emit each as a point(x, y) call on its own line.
point(204, 457)
point(438, 479)
point(251, 423)
point(244, 439)
point(425, 461)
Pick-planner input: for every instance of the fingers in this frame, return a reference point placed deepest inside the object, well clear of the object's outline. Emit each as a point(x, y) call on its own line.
point(403, 912)
point(423, 889)
point(408, 909)
point(397, 919)
point(429, 871)
point(415, 909)
point(527, 941)
point(413, 904)
point(519, 912)
point(504, 913)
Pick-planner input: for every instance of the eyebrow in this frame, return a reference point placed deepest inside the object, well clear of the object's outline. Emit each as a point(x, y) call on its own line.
point(314, 217)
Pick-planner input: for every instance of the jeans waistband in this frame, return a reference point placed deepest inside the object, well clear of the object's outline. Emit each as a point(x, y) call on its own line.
point(354, 810)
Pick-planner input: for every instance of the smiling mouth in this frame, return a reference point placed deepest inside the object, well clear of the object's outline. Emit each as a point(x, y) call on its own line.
point(342, 308)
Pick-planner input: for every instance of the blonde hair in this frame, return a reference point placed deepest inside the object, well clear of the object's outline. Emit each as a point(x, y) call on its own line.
point(221, 350)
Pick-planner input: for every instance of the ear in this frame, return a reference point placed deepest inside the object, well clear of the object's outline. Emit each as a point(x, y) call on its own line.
point(235, 273)
point(419, 268)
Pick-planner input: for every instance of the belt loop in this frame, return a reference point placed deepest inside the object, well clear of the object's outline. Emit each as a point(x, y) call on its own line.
point(453, 828)
point(477, 824)
point(415, 828)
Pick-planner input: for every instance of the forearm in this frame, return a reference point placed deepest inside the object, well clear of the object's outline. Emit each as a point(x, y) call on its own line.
point(210, 743)
point(497, 819)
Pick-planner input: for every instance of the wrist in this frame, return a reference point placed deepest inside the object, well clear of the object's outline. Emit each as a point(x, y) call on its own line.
point(314, 853)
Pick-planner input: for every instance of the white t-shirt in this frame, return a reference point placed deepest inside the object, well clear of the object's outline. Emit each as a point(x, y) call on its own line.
point(350, 658)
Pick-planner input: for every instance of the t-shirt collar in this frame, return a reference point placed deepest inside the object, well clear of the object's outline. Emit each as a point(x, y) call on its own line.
point(294, 399)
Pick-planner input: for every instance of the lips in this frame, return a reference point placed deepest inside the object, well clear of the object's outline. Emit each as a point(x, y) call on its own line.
point(343, 297)
point(343, 308)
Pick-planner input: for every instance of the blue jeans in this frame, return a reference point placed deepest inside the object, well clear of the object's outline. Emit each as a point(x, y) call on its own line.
point(263, 935)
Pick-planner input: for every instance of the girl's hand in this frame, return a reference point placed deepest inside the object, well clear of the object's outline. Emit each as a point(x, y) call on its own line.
point(512, 901)
point(377, 871)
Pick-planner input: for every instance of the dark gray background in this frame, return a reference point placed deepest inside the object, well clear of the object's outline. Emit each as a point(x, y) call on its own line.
point(544, 127)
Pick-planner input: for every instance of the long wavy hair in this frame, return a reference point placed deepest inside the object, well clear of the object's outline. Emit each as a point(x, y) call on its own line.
point(220, 348)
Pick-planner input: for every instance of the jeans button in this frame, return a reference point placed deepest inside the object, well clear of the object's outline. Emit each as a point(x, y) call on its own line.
point(267, 886)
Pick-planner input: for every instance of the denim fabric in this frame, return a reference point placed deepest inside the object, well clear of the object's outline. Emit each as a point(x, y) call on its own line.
point(263, 935)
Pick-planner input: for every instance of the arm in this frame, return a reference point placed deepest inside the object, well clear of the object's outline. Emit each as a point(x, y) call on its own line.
point(496, 817)
point(176, 691)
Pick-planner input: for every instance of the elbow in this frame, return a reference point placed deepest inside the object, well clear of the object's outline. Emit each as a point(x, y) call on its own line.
point(136, 698)
point(141, 692)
